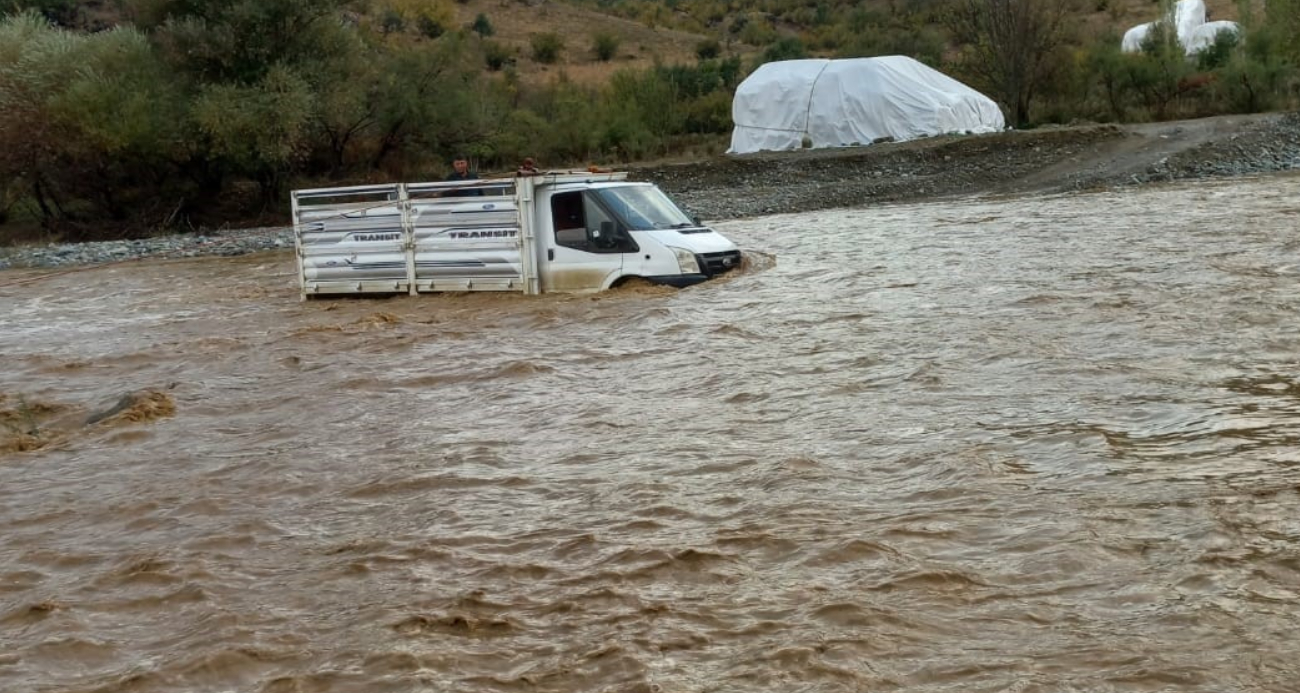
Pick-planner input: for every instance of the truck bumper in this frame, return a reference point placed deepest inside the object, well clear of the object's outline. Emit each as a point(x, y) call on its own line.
point(678, 280)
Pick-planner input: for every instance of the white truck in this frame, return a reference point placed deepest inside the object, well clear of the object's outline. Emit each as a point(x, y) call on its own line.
point(571, 231)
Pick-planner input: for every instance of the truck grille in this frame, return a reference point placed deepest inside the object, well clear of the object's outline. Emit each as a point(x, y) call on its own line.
point(717, 263)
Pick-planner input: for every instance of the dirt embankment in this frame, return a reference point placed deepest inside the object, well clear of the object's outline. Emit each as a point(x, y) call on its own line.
point(1045, 160)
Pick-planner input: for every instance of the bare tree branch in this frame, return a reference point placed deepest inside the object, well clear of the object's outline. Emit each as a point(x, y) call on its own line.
point(1008, 45)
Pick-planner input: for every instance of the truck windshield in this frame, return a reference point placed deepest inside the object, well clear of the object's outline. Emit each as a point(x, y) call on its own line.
point(644, 207)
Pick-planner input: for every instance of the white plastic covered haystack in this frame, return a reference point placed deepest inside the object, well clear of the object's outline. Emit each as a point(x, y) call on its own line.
point(1206, 34)
point(1194, 33)
point(1188, 14)
point(837, 103)
point(1134, 37)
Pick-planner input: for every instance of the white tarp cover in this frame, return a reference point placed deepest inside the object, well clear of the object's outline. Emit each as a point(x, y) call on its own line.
point(837, 103)
point(1188, 14)
point(1134, 37)
point(1204, 35)
point(1189, 17)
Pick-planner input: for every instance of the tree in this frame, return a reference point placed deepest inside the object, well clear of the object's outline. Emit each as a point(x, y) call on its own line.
point(1107, 67)
point(349, 95)
point(573, 123)
point(1259, 75)
point(91, 125)
point(261, 129)
point(1009, 45)
point(423, 100)
point(239, 40)
point(1159, 74)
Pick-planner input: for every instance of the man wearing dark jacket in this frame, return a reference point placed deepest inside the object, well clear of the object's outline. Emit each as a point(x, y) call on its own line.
point(460, 172)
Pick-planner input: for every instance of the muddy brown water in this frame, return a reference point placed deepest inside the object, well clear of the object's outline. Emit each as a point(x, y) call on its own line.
point(1027, 444)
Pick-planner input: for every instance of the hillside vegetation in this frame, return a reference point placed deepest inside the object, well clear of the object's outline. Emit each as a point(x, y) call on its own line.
point(128, 117)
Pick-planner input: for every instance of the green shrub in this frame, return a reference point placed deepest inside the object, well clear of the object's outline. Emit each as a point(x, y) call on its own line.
point(547, 47)
point(497, 55)
point(604, 46)
point(755, 29)
point(390, 21)
point(710, 113)
point(429, 27)
point(1217, 54)
point(787, 48)
point(708, 49)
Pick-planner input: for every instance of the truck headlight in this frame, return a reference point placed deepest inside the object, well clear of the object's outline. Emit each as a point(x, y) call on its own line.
point(686, 261)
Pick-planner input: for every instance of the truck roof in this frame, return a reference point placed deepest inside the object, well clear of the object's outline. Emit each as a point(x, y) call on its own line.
point(564, 179)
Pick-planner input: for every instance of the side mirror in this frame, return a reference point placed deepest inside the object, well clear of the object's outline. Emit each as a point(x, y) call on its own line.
point(697, 221)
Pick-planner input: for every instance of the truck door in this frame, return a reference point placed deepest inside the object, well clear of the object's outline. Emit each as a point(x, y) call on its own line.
point(586, 247)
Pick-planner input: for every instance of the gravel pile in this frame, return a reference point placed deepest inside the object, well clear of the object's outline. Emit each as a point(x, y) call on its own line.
point(1263, 149)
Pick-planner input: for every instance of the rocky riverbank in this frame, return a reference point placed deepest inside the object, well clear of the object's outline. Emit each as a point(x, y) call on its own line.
point(1046, 160)
point(225, 243)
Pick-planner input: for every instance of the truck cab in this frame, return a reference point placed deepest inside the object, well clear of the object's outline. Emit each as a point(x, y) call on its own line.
point(568, 232)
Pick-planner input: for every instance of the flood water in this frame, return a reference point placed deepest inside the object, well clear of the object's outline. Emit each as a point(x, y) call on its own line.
point(1028, 444)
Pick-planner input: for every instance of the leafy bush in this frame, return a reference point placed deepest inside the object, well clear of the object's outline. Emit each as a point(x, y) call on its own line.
point(708, 49)
point(710, 113)
point(497, 55)
point(1283, 20)
point(788, 48)
point(59, 12)
point(754, 29)
point(429, 27)
point(391, 21)
point(547, 47)
point(1218, 54)
point(91, 125)
point(604, 46)
point(429, 17)
point(261, 129)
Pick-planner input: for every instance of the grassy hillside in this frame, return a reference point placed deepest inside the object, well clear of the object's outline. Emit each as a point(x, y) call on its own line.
point(670, 31)
point(647, 32)
point(638, 45)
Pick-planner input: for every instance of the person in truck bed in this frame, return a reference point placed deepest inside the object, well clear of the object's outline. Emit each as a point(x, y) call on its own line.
point(460, 172)
point(528, 168)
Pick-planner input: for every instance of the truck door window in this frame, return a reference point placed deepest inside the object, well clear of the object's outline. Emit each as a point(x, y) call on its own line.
point(604, 232)
point(567, 219)
point(605, 241)
point(581, 223)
